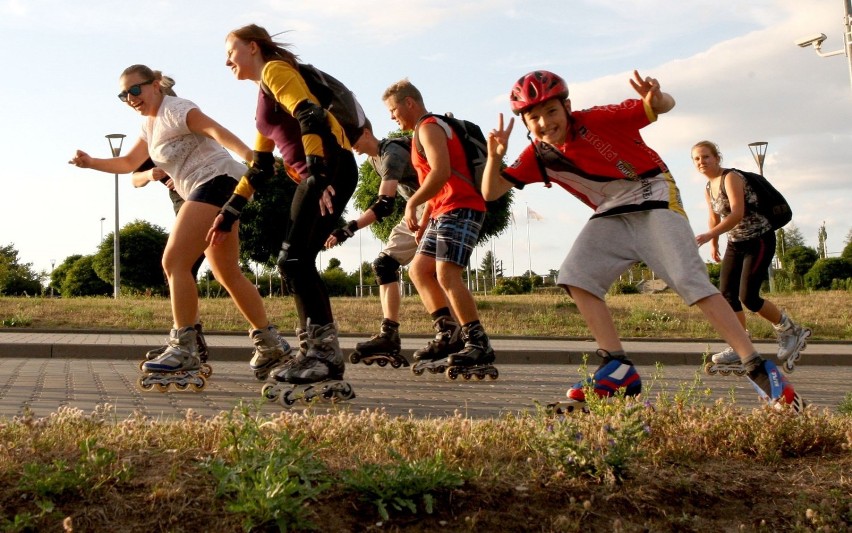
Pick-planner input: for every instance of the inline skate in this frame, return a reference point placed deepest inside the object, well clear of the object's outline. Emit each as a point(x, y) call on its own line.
point(615, 373)
point(382, 348)
point(316, 374)
point(792, 339)
point(475, 358)
point(179, 365)
point(270, 350)
point(434, 357)
point(203, 354)
point(772, 386)
point(725, 362)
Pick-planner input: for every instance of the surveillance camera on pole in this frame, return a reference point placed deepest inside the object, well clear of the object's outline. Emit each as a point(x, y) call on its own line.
point(815, 40)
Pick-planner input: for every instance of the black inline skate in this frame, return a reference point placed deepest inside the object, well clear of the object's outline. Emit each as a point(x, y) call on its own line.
point(203, 354)
point(178, 365)
point(475, 358)
point(382, 348)
point(434, 357)
point(315, 375)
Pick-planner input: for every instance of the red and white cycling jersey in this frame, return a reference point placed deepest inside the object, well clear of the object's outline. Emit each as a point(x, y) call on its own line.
point(605, 163)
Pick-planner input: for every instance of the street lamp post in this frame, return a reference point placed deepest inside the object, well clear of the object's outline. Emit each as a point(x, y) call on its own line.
point(52, 263)
point(758, 151)
point(102, 229)
point(116, 276)
point(817, 40)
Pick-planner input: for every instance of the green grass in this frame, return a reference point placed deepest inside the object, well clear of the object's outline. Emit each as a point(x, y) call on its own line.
point(659, 315)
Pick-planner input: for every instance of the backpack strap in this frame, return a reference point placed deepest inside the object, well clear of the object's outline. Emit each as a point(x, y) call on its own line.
point(419, 146)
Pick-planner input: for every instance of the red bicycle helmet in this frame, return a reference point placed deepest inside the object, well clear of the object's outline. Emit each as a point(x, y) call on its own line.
point(535, 88)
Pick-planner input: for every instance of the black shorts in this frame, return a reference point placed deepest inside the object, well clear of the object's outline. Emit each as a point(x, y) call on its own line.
point(214, 192)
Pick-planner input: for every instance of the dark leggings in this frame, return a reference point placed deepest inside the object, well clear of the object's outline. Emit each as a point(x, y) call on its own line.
point(307, 235)
point(745, 266)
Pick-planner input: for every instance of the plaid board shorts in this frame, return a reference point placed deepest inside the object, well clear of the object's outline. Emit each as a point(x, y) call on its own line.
point(452, 236)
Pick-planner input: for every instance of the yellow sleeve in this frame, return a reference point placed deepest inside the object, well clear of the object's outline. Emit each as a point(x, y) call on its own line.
point(289, 90)
point(263, 144)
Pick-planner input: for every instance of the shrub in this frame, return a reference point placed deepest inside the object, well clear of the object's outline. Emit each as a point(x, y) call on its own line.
point(825, 271)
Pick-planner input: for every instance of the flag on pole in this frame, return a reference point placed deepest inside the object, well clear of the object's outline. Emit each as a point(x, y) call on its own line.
point(533, 215)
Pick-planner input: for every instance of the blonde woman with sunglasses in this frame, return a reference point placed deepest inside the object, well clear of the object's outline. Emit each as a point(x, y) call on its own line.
point(190, 147)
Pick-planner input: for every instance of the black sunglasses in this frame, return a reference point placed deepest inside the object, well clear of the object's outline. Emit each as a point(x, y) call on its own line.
point(135, 90)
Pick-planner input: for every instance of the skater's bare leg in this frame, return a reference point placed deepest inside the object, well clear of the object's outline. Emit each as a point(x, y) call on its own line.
point(389, 295)
point(598, 318)
point(723, 319)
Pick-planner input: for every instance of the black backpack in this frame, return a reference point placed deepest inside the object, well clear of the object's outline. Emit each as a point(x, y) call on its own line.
point(334, 97)
point(473, 141)
point(770, 203)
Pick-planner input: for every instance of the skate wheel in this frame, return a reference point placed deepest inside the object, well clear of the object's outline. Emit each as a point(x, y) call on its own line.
point(206, 370)
point(269, 393)
point(354, 358)
point(453, 373)
point(181, 386)
point(479, 376)
point(382, 362)
point(143, 385)
point(396, 364)
point(347, 393)
point(142, 365)
point(368, 362)
point(493, 374)
point(198, 387)
point(287, 398)
point(741, 372)
point(788, 366)
point(161, 387)
point(709, 370)
point(725, 372)
point(261, 375)
point(416, 371)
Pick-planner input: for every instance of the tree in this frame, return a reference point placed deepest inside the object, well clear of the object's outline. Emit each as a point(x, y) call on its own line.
point(81, 280)
point(57, 277)
point(496, 219)
point(822, 236)
point(142, 246)
point(490, 266)
point(798, 261)
point(16, 278)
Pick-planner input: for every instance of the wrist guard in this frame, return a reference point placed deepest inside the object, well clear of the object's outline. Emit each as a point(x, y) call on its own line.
point(231, 212)
point(341, 234)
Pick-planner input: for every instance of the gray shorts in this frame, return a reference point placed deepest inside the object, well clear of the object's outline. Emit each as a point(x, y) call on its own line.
point(662, 239)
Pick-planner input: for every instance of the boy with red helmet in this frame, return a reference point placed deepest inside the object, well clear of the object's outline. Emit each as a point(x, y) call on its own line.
point(598, 155)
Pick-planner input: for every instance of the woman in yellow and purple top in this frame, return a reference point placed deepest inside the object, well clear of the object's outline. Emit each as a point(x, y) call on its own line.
point(318, 156)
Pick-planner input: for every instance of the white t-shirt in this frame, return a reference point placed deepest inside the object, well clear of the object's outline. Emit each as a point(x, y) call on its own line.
point(190, 159)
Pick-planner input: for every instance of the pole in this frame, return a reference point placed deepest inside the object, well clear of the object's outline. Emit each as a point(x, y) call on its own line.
point(529, 246)
point(847, 35)
point(116, 266)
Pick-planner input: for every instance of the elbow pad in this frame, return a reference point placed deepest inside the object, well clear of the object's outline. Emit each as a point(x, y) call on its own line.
point(261, 169)
point(312, 118)
point(383, 207)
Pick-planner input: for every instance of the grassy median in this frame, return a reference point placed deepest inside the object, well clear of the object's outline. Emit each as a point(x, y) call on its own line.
point(667, 462)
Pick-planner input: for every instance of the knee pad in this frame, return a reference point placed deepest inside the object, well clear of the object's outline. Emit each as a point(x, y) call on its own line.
point(386, 269)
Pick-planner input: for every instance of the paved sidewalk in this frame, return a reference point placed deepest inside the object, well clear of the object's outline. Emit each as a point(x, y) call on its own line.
point(41, 372)
point(509, 350)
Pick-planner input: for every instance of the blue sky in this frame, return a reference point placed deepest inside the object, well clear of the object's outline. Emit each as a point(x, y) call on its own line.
point(732, 67)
